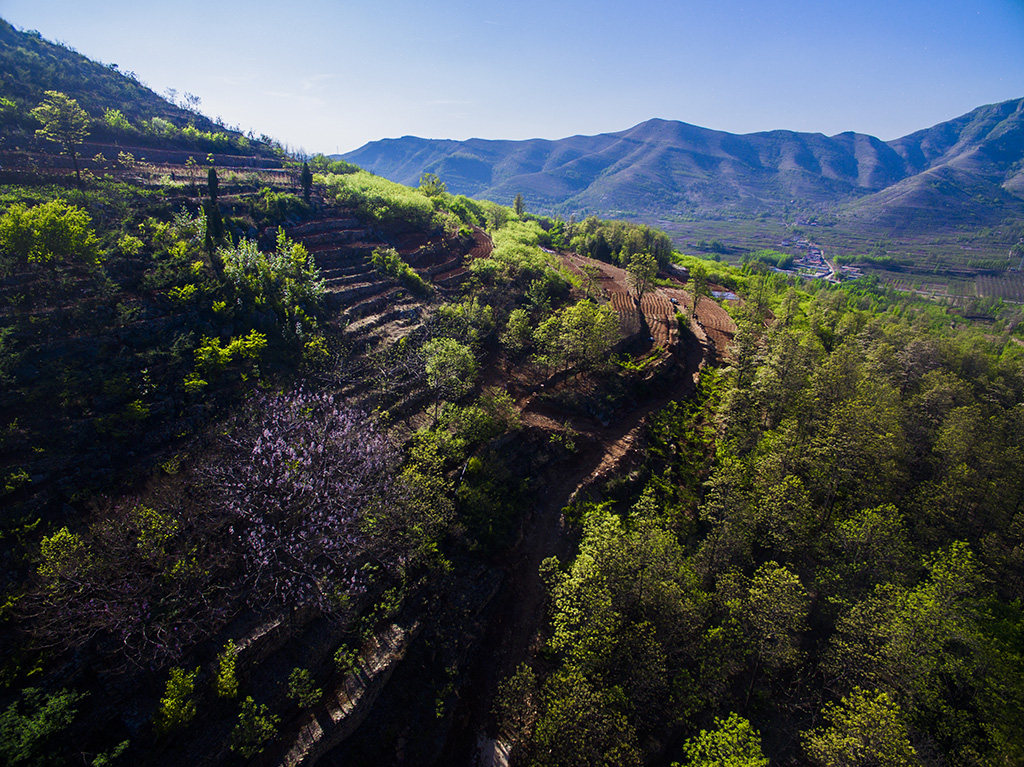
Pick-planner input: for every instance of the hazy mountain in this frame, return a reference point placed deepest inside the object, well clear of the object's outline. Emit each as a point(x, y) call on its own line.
point(970, 167)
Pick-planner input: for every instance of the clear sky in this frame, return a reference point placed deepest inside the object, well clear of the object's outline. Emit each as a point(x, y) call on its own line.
point(329, 76)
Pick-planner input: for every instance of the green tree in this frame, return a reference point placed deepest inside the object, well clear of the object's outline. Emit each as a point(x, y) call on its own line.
point(301, 688)
point(214, 222)
point(451, 369)
point(866, 729)
point(518, 206)
point(582, 725)
point(307, 181)
point(431, 185)
point(65, 123)
point(255, 726)
point(733, 743)
point(581, 335)
point(698, 285)
point(212, 184)
point(518, 332)
point(177, 706)
point(227, 676)
point(642, 268)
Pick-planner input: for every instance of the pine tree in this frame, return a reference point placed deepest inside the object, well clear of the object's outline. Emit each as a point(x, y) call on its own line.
point(307, 181)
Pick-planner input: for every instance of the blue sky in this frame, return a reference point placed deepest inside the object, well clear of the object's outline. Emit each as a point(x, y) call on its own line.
point(329, 76)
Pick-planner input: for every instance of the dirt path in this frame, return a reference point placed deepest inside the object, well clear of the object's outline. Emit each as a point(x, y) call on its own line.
point(515, 632)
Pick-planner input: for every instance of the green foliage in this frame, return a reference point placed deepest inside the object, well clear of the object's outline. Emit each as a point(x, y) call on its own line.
point(177, 706)
point(115, 120)
point(389, 263)
point(518, 332)
point(381, 201)
point(772, 258)
point(255, 726)
point(345, 658)
point(642, 268)
point(51, 232)
point(517, 259)
point(470, 321)
point(212, 357)
point(431, 185)
point(301, 688)
point(733, 743)
point(518, 206)
point(584, 725)
point(277, 207)
point(284, 282)
point(63, 120)
point(450, 367)
point(580, 336)
point(618, 241)
point(865, 728)
point(30, 728)
point(322, 164)
point(226, 683)
point(61, 553)
point(107, 758)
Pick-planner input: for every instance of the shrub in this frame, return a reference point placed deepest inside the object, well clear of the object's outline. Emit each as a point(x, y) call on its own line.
point(28, 728)
point(285, 282)
point(381, 201)
point(255, 726)
point(389, 263)
point(115, 120)
point(301, 689)
point(345, 658)
point(177, 706)
point(227, 677)
point(52, 231)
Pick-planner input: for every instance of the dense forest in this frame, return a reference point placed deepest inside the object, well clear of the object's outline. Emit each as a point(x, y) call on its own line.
point(300, 465)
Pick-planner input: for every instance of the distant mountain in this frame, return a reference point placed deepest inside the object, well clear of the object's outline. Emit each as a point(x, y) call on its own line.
point(967, 170)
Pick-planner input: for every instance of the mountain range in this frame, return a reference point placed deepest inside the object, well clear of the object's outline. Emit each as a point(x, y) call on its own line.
point(966, 172)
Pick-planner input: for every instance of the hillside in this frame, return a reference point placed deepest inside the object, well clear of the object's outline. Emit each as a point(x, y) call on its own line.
point(125, 115)
point(303, 469)
point(967, 171)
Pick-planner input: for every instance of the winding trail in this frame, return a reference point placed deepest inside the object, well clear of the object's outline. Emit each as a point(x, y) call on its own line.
point(514, 635)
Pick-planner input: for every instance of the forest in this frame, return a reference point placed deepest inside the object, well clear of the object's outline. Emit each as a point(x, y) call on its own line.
point(301, 465)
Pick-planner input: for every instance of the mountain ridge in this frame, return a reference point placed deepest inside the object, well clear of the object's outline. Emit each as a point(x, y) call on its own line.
point(971, 166)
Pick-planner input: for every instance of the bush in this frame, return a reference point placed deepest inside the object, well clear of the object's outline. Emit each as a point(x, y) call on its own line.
point(389, 263)
point(285, 282)
point(255, 726)
point(29, 727)
point(301, 689)
point(227, 677)
point(381, 201)
point(53, 231)
point(177, 706)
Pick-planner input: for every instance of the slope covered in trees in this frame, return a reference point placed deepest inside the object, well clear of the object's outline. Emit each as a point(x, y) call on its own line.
point(304, 465)
point(820, 555)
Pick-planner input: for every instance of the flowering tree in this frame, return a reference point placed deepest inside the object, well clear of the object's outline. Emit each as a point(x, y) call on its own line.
point(299, 482)
point(303, 495)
